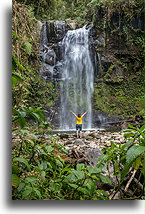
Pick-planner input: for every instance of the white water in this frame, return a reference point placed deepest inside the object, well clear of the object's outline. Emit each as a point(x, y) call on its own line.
point(78, 76)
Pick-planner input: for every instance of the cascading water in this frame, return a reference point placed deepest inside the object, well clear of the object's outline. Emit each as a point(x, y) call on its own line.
point(76, 87)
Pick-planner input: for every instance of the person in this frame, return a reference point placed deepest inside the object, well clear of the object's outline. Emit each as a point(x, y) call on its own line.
point(79, 118)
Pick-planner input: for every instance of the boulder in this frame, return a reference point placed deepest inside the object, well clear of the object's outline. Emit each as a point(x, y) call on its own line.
point(68, 142)
point(92, 144)
point(94, 134)
point(49, 57)
point(64, 135)
point(86, 133)
point(92, 155)
point(79, 142)
point(89, 138)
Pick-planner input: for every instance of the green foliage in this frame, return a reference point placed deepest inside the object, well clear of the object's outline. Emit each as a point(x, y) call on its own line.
point(16, 64)
point(15, 180)
point(134, 152)
point(16, 78)
point(18, 82)
point(82, 11)
point(125, 99)
point(15, 36)
point(124, 157)
point(41, 173)
point(20, 116)
point(28, 46)
point(60, 10)
point(22, 160)
point(39, 170)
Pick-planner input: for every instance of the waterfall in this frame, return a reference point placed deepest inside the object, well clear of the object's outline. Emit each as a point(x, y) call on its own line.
point(76, 87)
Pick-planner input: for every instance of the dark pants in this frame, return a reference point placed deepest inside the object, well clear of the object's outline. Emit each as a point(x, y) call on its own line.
point(79, 127)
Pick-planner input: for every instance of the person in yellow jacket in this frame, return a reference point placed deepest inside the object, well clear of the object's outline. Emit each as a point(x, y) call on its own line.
point(79, 118)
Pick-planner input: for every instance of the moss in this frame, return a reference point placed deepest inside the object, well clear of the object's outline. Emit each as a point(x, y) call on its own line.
point(114, 74)
point(43, 93)
point(121, 92)
point(122, 100)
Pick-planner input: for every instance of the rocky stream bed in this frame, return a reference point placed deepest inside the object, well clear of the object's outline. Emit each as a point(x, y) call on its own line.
point(88, 148)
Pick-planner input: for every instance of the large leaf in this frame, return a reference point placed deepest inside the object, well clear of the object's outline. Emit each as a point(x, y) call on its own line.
point(116, 168)
point(31, 180)
point(93, 170)
point(80, 166)
point(21, 121)
point(19, 117)
point(59, 163)
point(36, 116)
point(15, 169)
point(83, 190)
point(49, 148)
point(73, 186)
point(137, 163)
point(133, 152)
point(55, 186)
point(22, 160)
point(90, 185)
point(66, 169)
point(17, 76)
point(127, 144)
point(27, 192)
point(136, 131)
point(79, 174)
point(142, 128)
point(21, 186)
point(41, 115)
point(38, 193)
point(132, 127)
point(43, 174)
point(22, 113)
point(105, 179)
point(74, 176)
point(102, 192)
point(15, 180)
point(128, 135)
point(14, 81)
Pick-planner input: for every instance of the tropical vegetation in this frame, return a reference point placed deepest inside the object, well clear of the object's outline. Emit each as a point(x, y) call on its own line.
point(40, 170)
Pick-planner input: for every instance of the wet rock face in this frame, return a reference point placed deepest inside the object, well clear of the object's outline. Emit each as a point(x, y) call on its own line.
point(56, 30)
point(49, 57)
point(50, 49)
